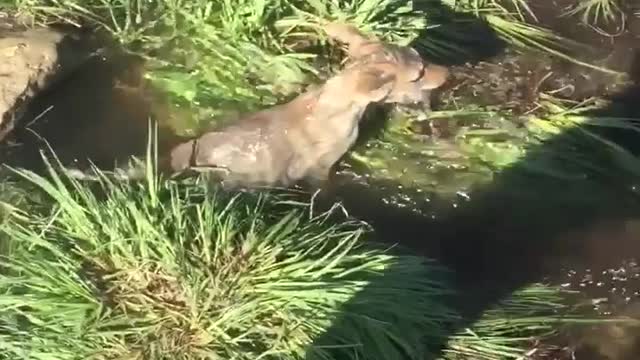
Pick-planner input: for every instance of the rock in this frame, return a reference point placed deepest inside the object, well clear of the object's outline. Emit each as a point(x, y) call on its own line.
point(31, 61)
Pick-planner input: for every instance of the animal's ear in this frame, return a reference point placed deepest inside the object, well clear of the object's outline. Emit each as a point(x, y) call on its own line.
point(434, 76)
point(374, 84)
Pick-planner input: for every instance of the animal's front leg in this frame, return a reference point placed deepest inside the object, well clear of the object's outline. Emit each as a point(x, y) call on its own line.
point(322, 183)
point(318, 176)
point(317, 169)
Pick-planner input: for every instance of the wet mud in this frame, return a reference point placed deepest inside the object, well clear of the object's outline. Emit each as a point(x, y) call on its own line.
point(512, 80)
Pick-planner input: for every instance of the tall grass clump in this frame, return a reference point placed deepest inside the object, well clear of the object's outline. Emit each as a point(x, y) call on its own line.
point(160, 270)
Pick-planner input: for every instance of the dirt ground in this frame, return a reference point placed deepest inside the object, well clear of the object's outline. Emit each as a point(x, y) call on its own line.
point(33, 61)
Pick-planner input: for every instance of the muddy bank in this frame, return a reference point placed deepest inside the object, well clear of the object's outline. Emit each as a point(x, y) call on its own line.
point(78, 95)
point(32, 61)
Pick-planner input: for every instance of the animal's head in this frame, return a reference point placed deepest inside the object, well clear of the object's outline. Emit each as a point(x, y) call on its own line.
point(386, 72)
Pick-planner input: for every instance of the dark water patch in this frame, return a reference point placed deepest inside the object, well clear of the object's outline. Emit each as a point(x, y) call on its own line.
point(459, 37)
point(101, 113)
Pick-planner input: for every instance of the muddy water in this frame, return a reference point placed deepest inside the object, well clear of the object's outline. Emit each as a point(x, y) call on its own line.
point(495, 239)
point(100, 114)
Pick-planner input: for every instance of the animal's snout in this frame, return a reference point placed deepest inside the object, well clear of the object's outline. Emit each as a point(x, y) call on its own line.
point(416, 98)
point(413, 89)
point(434, 76)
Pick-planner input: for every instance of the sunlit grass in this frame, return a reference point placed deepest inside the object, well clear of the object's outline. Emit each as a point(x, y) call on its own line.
point(158, 270)
point(238, 55)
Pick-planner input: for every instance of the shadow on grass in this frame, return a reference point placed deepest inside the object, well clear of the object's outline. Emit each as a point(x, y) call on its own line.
point(524, 227)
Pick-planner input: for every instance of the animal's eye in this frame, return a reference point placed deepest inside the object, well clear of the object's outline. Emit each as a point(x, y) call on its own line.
point(420, 74)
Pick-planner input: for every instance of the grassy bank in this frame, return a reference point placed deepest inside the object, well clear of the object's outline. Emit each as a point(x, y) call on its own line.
point(196, 49)
point(159, 271)
point(162, 270)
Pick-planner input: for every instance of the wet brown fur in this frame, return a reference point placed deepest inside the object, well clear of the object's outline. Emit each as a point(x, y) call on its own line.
point(305, 137)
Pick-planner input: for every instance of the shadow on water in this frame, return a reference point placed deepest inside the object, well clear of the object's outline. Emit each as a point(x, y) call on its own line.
point(516, 231)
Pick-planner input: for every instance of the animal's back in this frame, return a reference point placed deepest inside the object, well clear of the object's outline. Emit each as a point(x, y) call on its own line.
point(254, 151)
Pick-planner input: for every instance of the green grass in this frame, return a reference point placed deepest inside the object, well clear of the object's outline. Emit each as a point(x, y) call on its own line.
point(158, 270)
point(596, 12)
point(511, 327)
point(228, 55)
point(198, 49)
point(162, 270)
